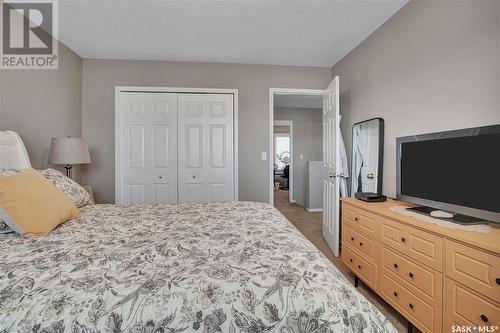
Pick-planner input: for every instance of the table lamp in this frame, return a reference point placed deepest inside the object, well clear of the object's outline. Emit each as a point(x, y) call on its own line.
point(68, 151)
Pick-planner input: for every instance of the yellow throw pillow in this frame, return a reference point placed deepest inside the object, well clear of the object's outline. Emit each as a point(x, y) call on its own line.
point(32, 204)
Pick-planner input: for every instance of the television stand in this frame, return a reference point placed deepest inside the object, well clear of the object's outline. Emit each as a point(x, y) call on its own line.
point(449, 274)
point(457, 218)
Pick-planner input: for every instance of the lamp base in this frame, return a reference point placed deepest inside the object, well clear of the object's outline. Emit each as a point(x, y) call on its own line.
point(69, 171)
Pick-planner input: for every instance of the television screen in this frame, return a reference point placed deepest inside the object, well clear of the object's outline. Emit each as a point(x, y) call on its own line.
point(463, 171)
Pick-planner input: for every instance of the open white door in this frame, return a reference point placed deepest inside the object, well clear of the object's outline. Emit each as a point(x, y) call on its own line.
point(331, 166)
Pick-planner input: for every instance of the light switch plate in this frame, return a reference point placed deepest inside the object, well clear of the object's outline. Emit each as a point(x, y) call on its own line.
point(264, 156)
point(301, 156)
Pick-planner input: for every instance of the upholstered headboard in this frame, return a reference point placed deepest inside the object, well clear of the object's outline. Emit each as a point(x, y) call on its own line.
point(13, 154)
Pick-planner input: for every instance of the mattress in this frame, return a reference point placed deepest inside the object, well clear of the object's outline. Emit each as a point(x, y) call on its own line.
point(230, 267)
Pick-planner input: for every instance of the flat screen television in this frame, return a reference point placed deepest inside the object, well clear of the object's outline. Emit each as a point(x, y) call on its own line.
point(454, 171)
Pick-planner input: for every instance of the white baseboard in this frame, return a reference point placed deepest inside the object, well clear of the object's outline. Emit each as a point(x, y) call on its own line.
point(314, 210)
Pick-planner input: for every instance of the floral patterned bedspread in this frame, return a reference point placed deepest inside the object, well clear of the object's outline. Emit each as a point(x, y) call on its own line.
point(230, 267)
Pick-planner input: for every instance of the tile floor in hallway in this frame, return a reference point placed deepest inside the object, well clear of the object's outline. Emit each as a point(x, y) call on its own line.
point(309, 224)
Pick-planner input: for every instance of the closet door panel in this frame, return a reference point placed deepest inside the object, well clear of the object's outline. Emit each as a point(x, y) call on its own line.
point(219, 170)
point(162, 193)
point(217, 192)
point(163, 148)
point(217, 145)
point(133, 153)
point(136, 193)
point(194, 146)
point(193, 192)
point(149, 148)
point(191, 147)
point(136, 146)
point(205, 147)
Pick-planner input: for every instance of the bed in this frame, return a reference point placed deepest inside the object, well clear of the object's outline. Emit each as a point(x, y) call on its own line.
point(214, 267)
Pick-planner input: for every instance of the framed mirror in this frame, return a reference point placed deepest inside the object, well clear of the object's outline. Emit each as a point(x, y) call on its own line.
point(367, 156)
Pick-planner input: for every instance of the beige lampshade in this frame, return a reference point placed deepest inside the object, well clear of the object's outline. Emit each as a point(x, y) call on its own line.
point(69, 150)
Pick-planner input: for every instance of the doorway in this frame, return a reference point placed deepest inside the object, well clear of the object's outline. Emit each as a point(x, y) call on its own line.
point(330, 171)
point(296, 146)
point(283, 158)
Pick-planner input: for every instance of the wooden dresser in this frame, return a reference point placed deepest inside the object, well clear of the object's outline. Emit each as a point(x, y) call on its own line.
point(436, 277)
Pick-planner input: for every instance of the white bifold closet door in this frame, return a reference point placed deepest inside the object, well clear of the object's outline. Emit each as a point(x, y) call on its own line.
point(205, 141)
point(149, 148)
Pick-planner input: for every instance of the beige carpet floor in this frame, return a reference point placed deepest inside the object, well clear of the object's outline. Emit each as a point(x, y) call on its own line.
point(309, 224)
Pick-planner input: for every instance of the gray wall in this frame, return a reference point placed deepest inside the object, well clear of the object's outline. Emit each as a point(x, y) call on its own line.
point(41, 104)
point(433, 66)
point(253, 81)
point(307, 140)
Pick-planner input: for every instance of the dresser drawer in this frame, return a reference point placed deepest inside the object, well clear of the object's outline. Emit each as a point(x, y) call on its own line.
point(474, 268)
point(465, 307)
point(359, 242)
point(416, 244)
point(359, 266)
point(426, 280)
point(408, 304)
point(360, 220)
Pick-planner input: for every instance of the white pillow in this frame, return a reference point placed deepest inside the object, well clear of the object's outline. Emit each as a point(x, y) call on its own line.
point(72, 189)
point(8, 172)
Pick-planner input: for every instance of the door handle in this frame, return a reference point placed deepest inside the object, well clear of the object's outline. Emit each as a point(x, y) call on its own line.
point(370, 176)
point(331, 175)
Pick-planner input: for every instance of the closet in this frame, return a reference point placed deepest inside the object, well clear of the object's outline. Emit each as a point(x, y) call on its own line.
point(174, 147)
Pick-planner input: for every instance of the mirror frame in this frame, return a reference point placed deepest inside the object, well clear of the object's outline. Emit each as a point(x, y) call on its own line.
point(380, 152)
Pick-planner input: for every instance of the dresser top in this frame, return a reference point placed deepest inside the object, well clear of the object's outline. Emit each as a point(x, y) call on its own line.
point(489, 241)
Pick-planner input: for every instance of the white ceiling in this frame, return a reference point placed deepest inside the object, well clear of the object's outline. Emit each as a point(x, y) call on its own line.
point(298, 101)
point(307, 33)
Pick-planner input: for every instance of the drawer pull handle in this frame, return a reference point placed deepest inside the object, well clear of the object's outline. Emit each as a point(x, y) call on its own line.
point(356, 219)
point(350, 260)
point(410, 274)
point(396, 294)
point(359, 266)
point(497, 280)
point(360, 243)
point(403, 239)
point(410, 305)
point(484, 318)
point(396, 265)
point(352, 238)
